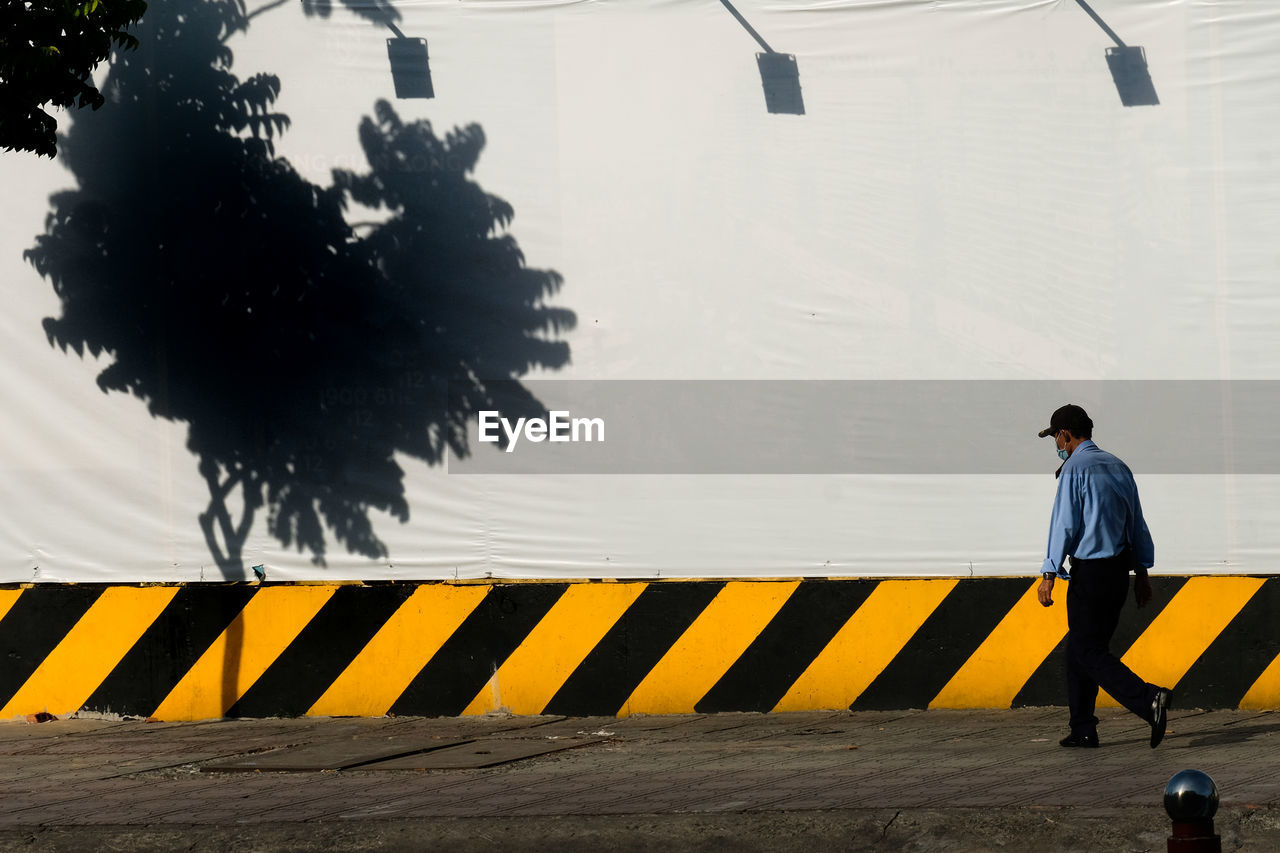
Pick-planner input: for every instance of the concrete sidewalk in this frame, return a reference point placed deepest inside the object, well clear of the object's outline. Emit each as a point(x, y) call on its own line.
point(912, 780)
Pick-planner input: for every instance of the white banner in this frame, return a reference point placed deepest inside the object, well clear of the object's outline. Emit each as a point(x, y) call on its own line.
point(223, 358)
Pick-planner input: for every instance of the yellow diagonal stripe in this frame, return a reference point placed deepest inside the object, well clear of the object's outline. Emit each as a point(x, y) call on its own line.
point(1264, 695)
point(1011, 653)
point(704, 653)
point(388, 663)
point(530, 677)
point(866, 644)
point(7, 598)
point(91, 649)
point(1184, 629)
point(254, 639)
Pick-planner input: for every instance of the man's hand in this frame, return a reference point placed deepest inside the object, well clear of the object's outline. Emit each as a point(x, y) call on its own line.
point(1046, 591)
point(1141, 589)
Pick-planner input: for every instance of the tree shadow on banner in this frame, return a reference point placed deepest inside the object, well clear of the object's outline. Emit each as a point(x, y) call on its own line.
point(228, 292)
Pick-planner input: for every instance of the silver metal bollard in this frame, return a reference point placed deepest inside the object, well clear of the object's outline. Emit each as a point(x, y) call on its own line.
point(1191, 799)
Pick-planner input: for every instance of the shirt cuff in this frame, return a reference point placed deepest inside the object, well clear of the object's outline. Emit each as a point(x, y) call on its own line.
point(1049, 567)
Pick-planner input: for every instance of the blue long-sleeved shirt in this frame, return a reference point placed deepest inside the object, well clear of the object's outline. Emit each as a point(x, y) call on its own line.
point(1096, 513)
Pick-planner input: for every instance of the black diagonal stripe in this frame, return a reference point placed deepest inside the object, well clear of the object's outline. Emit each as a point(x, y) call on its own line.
point(321, 651)
point(1048, 684)
point(1237, 657)
point(947, 639)
point(759, 679)
point(468, 659)
point(185, 629)
point(33, 627)
point(632, 648)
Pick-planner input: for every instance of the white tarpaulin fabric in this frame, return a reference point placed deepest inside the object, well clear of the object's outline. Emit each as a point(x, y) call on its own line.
point(947, 190)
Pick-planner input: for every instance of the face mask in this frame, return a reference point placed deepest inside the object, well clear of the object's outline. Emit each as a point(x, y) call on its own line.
point(1063, 454)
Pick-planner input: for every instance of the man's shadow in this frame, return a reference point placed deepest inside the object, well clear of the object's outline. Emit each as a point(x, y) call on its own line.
point(228, 292)
point(1235, 734)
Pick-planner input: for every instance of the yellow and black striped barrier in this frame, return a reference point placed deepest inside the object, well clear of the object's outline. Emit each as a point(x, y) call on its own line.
point(188, 652)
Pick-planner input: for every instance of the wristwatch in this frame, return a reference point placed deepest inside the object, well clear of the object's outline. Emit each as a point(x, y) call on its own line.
point(1048, 575)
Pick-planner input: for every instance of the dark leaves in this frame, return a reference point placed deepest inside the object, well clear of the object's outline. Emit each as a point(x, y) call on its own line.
point(48, 51)
point(377, 11)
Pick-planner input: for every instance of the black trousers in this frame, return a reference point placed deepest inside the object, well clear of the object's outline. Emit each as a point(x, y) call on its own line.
point(1095, 595)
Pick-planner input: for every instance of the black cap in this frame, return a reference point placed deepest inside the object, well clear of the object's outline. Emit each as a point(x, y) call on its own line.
point(1072, 418)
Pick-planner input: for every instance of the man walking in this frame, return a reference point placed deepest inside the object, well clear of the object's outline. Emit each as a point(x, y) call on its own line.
point(1097, 521)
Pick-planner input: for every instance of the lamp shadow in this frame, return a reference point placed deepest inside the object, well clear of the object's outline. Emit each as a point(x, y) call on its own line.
point(226, 291)
point(779, 72)
point(1128, 66)
point(410, 68)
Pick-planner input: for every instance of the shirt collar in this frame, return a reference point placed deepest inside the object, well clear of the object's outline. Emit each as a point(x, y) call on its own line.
point(1085, 445)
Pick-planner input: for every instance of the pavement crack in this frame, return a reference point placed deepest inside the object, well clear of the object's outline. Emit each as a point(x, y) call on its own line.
point(884, 832)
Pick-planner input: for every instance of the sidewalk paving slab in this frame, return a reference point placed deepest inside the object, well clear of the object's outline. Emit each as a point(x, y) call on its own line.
point(909, 780)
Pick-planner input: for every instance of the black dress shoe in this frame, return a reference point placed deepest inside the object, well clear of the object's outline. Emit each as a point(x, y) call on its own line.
point(1086, 741)
point(1160, 715)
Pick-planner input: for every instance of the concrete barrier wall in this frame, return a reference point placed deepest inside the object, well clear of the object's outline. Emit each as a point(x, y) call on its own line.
point(186, 652)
